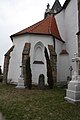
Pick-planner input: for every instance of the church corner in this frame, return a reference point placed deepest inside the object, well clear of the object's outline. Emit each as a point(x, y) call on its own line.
point(42, 53)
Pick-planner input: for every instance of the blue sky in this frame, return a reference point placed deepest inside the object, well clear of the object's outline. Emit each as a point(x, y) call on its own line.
point(16, 15)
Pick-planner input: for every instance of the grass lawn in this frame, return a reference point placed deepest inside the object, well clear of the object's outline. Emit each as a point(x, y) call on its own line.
point(23, 104)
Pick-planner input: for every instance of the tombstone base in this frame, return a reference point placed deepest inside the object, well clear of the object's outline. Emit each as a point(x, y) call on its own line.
point(73, 91)
point(20, 83)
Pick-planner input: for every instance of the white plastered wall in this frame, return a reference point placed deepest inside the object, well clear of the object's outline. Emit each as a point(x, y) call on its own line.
point(16, 56)
point(62, 62)
point(60, 20)
point(67, 21)
point(71, 22)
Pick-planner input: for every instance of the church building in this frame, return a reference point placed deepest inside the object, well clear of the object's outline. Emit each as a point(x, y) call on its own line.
point(46, 48)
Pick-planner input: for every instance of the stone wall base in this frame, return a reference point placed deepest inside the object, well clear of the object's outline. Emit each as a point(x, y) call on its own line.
point(61, 84)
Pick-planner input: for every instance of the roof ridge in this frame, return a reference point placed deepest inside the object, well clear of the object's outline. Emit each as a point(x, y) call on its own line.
point(38, 24)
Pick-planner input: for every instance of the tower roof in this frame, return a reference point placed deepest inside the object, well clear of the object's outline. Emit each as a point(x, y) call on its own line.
point(56, 6)
point(47, 26)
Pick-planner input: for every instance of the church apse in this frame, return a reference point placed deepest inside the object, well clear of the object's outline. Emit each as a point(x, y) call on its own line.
point(42, 64)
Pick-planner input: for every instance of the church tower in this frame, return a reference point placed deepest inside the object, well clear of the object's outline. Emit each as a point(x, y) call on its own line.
point(56, 8)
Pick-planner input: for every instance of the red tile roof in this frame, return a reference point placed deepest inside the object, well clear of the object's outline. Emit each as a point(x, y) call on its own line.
point(47, 26)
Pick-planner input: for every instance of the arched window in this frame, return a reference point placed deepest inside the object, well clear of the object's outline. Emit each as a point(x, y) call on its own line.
point(38, 53)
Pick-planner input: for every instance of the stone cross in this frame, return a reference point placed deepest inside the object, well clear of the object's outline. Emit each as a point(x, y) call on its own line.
point(76, 60)
point(70, 68)
point(48, 8)
point(21, 72)
point(20, 83)
point(73, 91)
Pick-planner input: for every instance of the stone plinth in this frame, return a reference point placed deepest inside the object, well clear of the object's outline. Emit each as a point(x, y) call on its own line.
point(20, 83)
point(73, 91)
point(21, 80)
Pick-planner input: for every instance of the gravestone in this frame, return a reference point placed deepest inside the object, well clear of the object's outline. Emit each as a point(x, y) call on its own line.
point(21, 80)
point(41, 84)
point(73, 91)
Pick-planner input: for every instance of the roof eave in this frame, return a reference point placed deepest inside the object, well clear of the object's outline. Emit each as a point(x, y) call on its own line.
point(15, 35)
point(60, 39)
